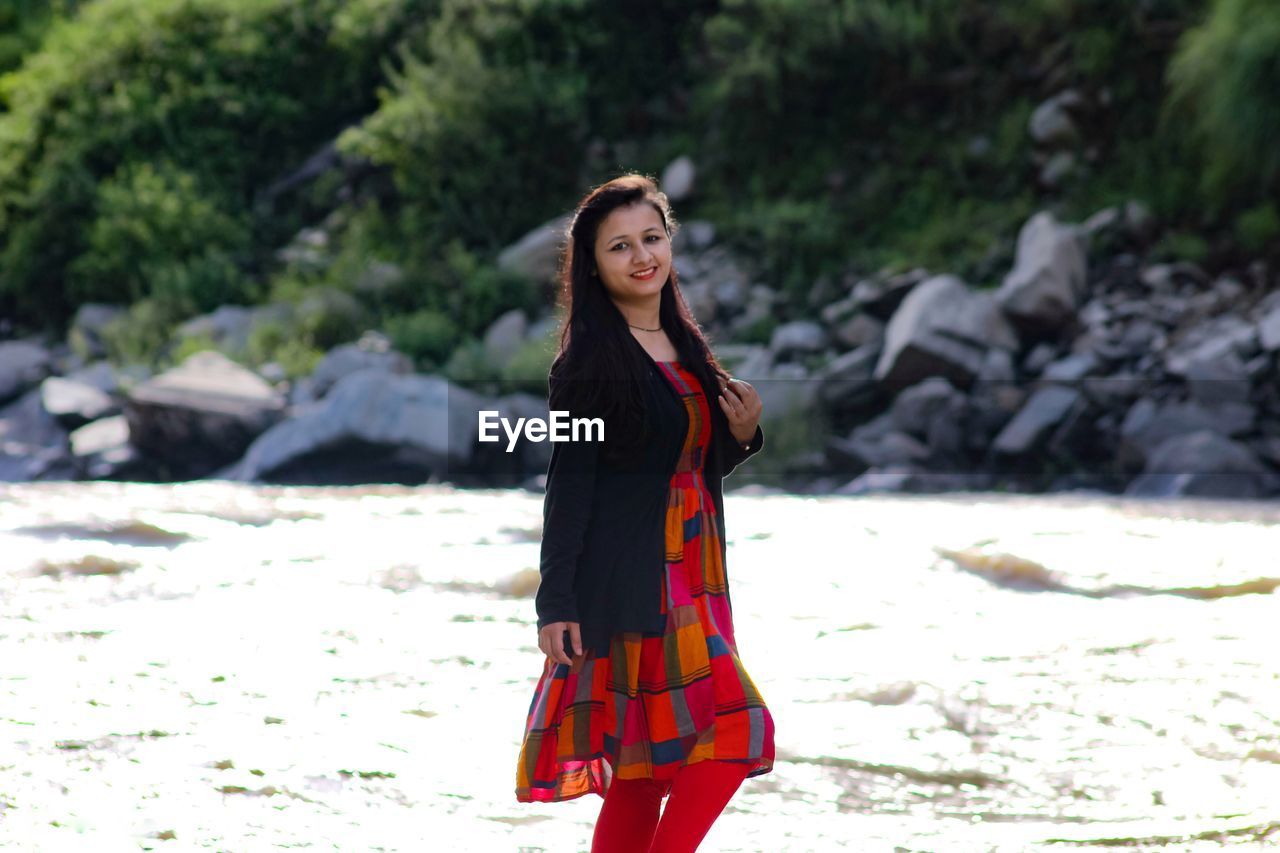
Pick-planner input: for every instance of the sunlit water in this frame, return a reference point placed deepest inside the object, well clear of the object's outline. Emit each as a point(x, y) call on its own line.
point(218, 666)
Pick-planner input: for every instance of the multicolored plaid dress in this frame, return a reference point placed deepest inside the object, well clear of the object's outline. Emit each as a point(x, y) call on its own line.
point(655, 702)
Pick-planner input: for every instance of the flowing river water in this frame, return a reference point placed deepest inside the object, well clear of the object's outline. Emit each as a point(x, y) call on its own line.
point(219, 666)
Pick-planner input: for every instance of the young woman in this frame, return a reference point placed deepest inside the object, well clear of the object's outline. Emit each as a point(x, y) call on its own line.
point(642, 693)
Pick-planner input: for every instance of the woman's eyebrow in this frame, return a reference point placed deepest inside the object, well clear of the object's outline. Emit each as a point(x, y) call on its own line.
point(620, 236)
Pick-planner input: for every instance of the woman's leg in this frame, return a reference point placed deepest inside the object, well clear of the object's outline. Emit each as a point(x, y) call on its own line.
point(629, 816)
point(699, 793)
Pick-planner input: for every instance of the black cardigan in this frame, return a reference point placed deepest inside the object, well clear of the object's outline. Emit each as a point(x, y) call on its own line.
point(603, 534)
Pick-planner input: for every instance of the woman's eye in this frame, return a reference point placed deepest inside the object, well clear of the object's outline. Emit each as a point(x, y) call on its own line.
point(650, 237)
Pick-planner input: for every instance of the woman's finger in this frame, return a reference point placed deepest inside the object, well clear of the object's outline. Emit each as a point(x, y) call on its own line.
point(729, 408)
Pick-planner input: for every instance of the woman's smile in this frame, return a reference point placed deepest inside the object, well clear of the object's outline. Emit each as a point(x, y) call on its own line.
point(645, 275)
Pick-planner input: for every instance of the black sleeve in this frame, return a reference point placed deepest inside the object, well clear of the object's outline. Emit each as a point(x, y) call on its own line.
point(735, 454)
point(566, 510)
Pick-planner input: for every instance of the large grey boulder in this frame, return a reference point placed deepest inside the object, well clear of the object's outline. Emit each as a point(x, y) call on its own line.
point(108, 378)
point(33, 445)
point(1047, 407)
point(848, 380)
point(1047, 282)
point(892, 448)
point(1204, 464)
point(786, 391)
point(804, 336)
point(1211, 357)
point(1269, 330)
point(504, 337)
point(1147, 424)
point(858, 329)
point(201, 414)
point(74, 403)
point(544, 328)
point(677, 179)
point(372, 426)
point(881, 297)
point(103, 449)
point(1051, 123)
point(935, 411)
point(942, 328)
point(372, 351)
point(86, 331)
point(536, 255)
point(22, 365)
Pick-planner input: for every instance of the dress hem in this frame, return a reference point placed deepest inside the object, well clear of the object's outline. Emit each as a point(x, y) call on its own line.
point(760, 769)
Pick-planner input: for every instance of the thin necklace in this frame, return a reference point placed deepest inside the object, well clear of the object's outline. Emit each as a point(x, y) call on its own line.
point(643, 329)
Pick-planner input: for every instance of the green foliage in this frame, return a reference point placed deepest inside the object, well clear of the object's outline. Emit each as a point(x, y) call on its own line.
point(491, 90)
point(528, 368)
point(23, 24)
point(759, 332)
point(426, 336)
point(1224, 79)
point(281, 342)
point(469, 365)
point(1258, 228)
point(1181, 246)
point(229, 92)
point(793, 236)
point(138, 137)
point(140, 335)
point(327, 316)
point(189, 345)
point(526, 371)
point(155, 234)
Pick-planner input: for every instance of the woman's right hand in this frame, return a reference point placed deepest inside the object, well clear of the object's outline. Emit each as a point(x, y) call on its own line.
point(551, 640)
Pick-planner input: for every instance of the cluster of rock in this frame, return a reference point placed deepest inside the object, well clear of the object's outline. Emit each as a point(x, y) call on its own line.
point(362, 416)
point(1150, 380)
point(1086, 369)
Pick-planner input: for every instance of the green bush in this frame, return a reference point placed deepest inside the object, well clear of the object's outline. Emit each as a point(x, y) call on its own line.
point(470, 366)
point(232, 93)
point(1258, 228)
point(1181, 246)
point(327, 317)
point(528, 368)
point(189, 345)
point(482, 127)
point(427, 336)
point(23, 24)
point(155, 234)
point(1224, 78)
point(274, 340)
point(140, 335)
point(759, 332)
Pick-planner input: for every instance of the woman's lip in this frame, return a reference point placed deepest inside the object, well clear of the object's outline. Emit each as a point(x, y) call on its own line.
point(652, 273)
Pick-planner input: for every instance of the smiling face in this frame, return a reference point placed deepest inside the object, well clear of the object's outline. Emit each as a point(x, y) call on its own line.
point(631, 239)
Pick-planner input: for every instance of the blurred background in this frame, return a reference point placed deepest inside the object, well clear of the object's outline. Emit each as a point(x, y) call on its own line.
point(263, 261)
point(1075, 201)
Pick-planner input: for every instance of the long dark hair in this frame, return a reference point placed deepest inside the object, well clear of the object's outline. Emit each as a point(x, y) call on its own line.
point(599, 367)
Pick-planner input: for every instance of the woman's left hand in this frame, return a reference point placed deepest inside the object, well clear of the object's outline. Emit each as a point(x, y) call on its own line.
point(742, 406)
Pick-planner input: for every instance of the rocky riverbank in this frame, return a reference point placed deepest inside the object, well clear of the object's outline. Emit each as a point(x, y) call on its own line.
point(1086, 368)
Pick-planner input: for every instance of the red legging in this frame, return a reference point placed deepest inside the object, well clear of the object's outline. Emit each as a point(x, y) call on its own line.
point(628, 821)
